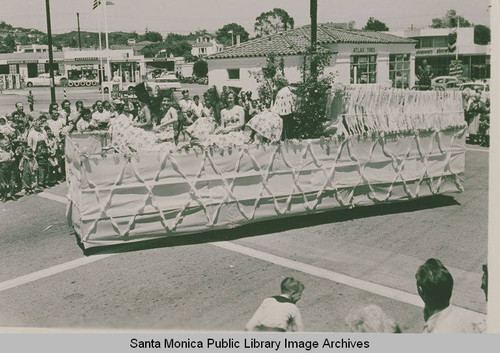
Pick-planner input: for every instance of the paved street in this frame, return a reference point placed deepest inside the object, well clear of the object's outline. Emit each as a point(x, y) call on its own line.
point(215, 281)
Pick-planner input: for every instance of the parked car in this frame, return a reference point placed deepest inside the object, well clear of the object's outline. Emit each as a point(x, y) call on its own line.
point(478, 85)
point(443, 80)
point(44, 80)
point(164, 82)
point(448, 86)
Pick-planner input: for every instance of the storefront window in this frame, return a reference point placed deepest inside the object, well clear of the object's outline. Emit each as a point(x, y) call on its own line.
point(13, 69)
point(399, 70)
point(363, 69)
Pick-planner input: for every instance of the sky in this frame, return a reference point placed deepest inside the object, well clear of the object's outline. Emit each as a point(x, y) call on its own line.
point(184, 16)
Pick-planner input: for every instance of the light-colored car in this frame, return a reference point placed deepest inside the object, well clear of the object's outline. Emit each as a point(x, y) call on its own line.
point(475, 86)
point(164, 82)
point(448, 86)
point(443, 80)
point(44, 80)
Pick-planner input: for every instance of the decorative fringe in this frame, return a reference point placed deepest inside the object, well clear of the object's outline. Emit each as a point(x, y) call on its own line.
point(372, 111)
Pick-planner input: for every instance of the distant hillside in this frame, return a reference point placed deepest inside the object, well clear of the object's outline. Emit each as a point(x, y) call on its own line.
point(173, 43)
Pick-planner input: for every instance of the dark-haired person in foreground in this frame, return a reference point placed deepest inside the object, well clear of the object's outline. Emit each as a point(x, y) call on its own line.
point(435, 286)
point(279, 313)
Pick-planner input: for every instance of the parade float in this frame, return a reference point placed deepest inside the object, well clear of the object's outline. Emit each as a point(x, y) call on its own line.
point(380, 146)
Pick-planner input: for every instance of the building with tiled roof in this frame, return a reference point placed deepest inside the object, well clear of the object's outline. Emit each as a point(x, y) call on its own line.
point(358, 57)
point(206, 45)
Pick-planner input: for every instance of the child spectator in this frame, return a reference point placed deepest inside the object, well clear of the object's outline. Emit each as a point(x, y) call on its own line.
point(42, 158)
point(279, 313)
point(53, 165)
point(16, 175)
point(5, 129)
point(371, 318)
point(28, 167)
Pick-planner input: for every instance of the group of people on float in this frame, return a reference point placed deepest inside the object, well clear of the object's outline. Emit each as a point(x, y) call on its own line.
point(32, 145)
point(434, 284)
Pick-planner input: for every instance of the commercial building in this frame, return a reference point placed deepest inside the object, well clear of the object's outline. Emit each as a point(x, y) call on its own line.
point(432, 46)
point(73, 64)
point(357, 57)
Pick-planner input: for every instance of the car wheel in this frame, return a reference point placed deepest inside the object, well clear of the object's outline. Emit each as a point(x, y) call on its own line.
point(29, 84)
point(63, 82)
point(88, 83)
point(70, 84)
point(131, 90)
point(106, 90)
point(94, 83)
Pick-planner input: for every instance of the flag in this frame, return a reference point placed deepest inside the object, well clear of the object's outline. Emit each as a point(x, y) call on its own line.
point(456, 68)
point(452, 41)
point(96, 3)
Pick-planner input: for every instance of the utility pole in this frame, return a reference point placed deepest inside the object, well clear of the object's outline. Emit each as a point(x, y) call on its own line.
point(314, 31)
point(51, 55)
point(79, 37)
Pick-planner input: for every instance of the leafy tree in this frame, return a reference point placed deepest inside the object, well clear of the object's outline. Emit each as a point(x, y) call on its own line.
point(271, 79)
point(482, 35)
point(153, 36)
point(375, 25)
point(223, 34)
point(312, 95)
point(10, 43)
point(351, 24)
point(449, 21)
point(200, 68)
point(272, 22)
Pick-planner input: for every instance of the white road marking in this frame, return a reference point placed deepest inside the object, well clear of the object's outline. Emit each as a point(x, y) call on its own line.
point(374, 288)
point(478, 150)
point(34, 276)
point(53, 197)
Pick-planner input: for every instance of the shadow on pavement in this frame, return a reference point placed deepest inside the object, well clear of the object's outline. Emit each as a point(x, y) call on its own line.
point(277, 225)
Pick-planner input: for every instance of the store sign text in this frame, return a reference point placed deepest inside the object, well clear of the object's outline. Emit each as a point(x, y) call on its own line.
point(364, 50)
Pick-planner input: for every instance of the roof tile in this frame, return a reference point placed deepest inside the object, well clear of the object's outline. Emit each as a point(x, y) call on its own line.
point(297, 40)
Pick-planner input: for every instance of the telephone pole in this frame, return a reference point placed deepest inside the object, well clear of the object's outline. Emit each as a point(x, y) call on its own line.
point(79, 37)
point(51, 55)
point(314, 31)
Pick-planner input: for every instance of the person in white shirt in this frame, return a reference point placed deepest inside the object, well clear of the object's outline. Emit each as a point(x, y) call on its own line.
point(187, 108)
point(83, 123)
point(279, 313)
point(67, 113)
point(55, 123)
point(100, 117)
point(435, 286)
point(197, 107)
point(35, 136)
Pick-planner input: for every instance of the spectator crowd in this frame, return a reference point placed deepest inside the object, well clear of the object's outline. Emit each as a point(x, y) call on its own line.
point(434, 285)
